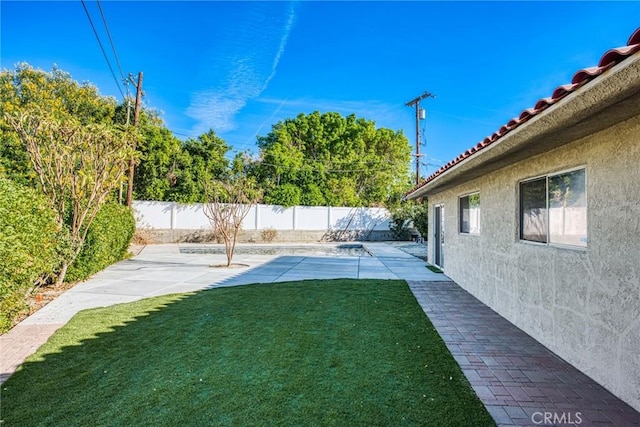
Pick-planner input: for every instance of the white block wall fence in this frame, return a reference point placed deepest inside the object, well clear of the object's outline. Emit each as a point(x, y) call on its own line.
point(174, 222)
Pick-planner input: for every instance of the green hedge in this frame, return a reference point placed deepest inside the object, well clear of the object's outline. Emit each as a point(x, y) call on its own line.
point(29, 241)
point(107, 241)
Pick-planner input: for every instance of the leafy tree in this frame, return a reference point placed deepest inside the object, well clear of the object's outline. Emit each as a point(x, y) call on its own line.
point(14, 161)
point(68, 142)
point(161, 159)
point(170, 170)
point(286, 195)
point(203, 161)
point(55, 93)
point(405, 214)
point(420, 218)
point(312, 196)
point(77, 166)
point(331, 159)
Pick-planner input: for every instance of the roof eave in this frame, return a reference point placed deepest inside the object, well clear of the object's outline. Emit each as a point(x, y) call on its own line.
point(614, 95)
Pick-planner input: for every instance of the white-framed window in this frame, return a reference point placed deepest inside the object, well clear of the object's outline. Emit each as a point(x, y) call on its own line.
point(553, 209)
point(469, 213)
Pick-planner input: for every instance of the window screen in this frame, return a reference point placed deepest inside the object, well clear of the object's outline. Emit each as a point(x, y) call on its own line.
point(533, 210)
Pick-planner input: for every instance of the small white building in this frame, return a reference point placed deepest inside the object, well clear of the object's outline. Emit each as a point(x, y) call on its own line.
point(541, 221)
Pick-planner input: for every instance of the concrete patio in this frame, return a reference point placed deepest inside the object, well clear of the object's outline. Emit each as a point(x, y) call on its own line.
point(519, 380)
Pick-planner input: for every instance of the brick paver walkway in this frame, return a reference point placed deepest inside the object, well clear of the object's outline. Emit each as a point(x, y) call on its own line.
point(519, 380)
point(20, 342)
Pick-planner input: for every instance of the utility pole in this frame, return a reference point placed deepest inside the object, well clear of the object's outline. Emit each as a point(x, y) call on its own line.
point(416, 102)
point(126, 82)
point(136, 114)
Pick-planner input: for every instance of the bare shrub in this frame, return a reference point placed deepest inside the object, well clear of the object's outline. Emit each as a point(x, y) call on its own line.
point(268, 235)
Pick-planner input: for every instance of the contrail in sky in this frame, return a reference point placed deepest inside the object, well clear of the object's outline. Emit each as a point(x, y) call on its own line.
point(247, 59)
point(283, 43)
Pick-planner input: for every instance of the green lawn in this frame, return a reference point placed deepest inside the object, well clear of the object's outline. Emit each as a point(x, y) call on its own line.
point(323, 352)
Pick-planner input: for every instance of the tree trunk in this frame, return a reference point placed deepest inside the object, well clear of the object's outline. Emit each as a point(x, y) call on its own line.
point(62, 273)
point(229, 252)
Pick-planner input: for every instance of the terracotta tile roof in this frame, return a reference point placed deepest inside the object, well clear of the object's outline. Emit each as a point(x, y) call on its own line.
point(610, 58)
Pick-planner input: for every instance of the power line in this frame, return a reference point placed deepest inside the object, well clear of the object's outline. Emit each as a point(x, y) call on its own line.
point(113, 74)
point(113, 47)
point(327, 170)
point(184, 134)
point(232, 145)
point(115, 54)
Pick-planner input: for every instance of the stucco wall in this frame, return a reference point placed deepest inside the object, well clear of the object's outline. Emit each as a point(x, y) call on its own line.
point(583, 304)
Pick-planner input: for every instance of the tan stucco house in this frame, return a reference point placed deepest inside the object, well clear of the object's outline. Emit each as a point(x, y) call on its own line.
point(541, 221)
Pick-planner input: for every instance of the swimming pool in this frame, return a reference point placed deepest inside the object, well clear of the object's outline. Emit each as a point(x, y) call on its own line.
point(354, 250)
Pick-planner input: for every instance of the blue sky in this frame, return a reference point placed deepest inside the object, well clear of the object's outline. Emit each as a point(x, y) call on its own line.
point(239, 67)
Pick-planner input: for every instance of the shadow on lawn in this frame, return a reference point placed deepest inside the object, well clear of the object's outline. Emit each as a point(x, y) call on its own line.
point(318, 352)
